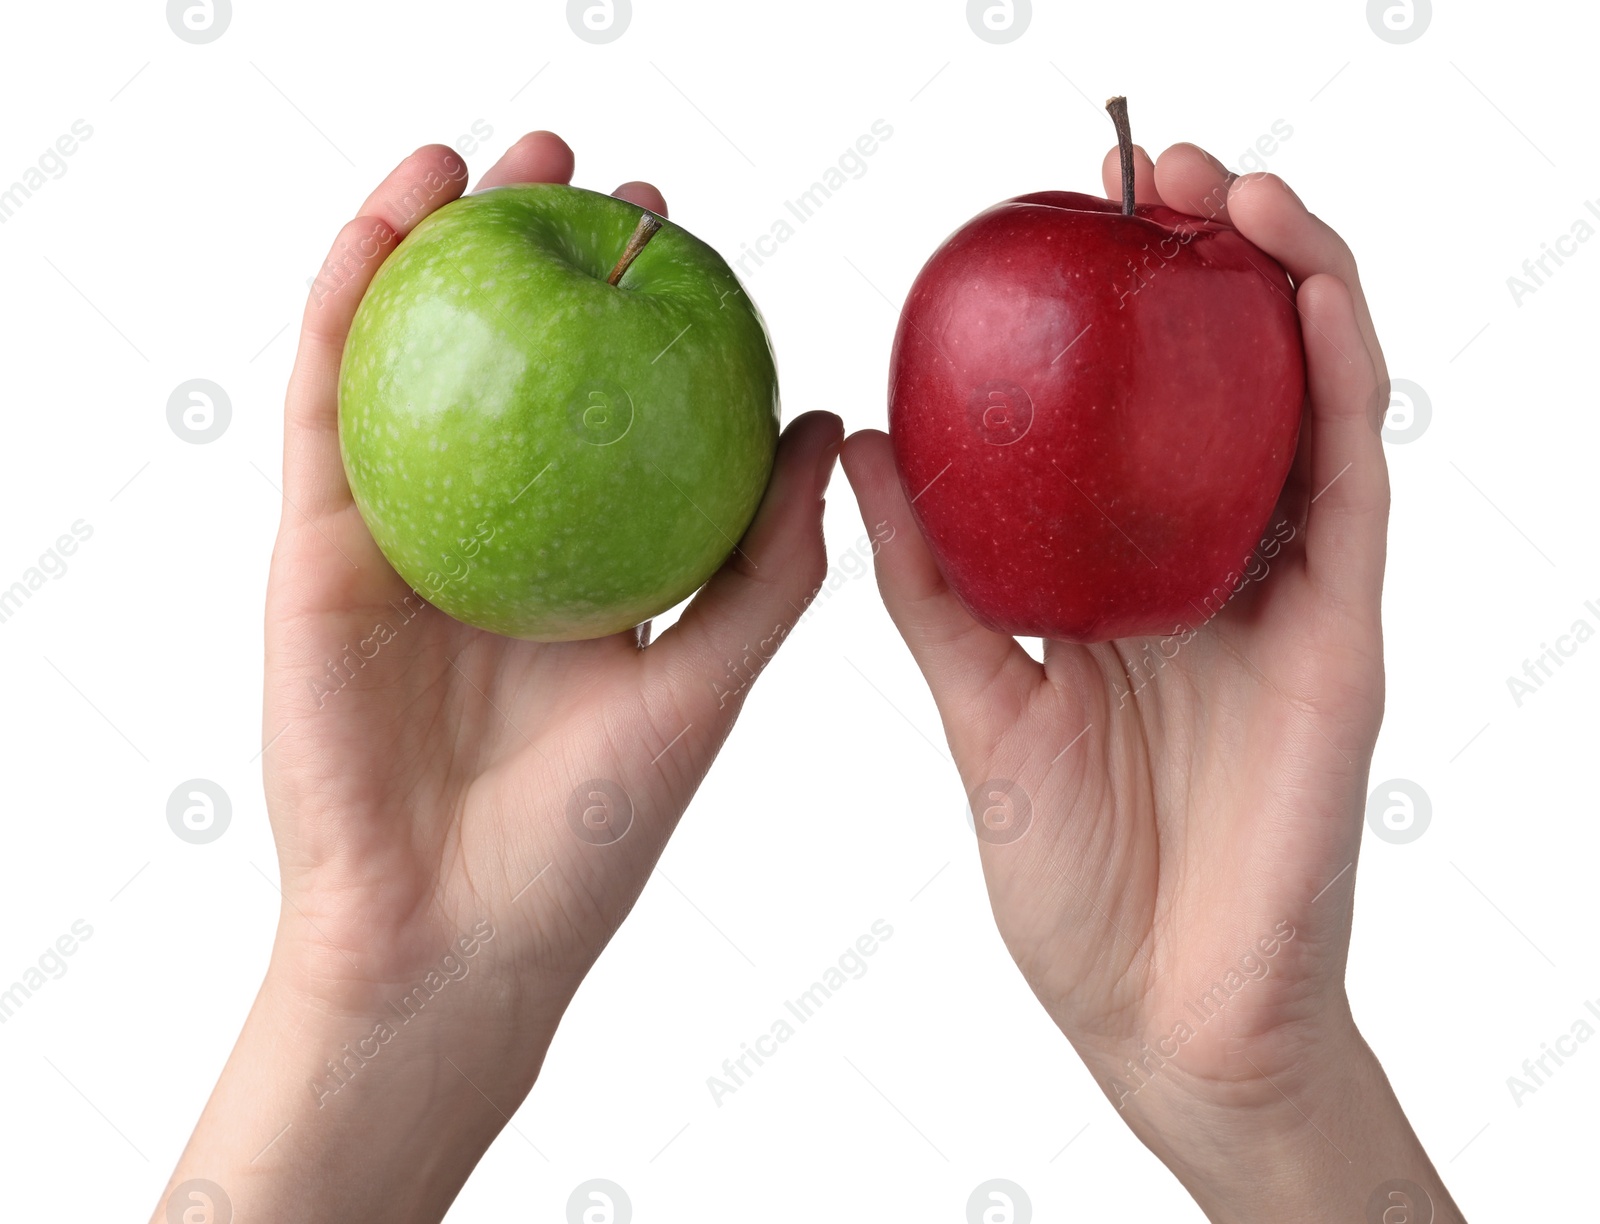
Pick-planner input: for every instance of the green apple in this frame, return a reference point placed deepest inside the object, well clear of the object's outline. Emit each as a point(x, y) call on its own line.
point(557, 413)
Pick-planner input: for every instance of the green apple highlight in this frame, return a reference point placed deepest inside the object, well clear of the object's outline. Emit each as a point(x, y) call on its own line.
point(538, 451)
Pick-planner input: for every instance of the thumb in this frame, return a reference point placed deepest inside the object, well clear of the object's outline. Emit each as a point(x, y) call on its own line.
point(965, 664)
point(735, 625)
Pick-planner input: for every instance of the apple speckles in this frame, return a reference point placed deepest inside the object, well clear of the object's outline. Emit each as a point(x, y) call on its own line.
point(576, 552)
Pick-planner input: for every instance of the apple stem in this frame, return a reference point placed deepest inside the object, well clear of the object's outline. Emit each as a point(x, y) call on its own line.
point(1119, 116)
point(649, 223)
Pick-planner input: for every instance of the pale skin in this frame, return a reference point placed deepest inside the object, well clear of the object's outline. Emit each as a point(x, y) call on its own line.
point(426, 798)
point(430, 793)
point(1207, 798)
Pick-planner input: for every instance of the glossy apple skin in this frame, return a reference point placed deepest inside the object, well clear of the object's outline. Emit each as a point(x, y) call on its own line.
point(1095, 414)
point(540, 453)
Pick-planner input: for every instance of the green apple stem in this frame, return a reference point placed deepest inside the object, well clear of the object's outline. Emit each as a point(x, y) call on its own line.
point(1119, 116)
point(649, 223)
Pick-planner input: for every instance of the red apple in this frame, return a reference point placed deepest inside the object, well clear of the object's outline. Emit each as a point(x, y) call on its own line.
point(1094, 413)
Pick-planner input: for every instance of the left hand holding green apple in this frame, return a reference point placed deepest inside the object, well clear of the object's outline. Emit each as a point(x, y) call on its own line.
point(428, 782)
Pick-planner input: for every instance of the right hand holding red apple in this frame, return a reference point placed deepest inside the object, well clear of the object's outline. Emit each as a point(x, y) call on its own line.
point(1149, 818)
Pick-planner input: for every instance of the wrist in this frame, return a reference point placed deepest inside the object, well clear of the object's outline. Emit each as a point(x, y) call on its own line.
point(384, 1105)
point(1315, 1139)
point(367, 1042)
point(458, 983)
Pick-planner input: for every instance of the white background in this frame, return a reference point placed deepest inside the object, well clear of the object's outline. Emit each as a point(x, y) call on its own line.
point(177, 245)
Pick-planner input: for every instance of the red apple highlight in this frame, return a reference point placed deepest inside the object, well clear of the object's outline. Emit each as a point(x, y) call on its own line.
point(1094, 412)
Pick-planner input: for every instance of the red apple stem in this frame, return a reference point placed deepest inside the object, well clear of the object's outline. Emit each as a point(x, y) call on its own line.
point(1119, 115)
point(649, 223)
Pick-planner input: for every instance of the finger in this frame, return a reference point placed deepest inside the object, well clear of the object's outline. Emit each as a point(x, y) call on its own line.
point(313, 476)
point(539, 157)
point(752, 603)
point(1348, 519)
point(962, 661)
point(1192, 181)
point(1144, 176)
point(1294, 501)
point(644, 195)
point(1269, 214)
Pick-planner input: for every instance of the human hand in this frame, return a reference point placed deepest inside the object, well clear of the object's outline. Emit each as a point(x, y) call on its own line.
point(1196, 801)
point(449, 802)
